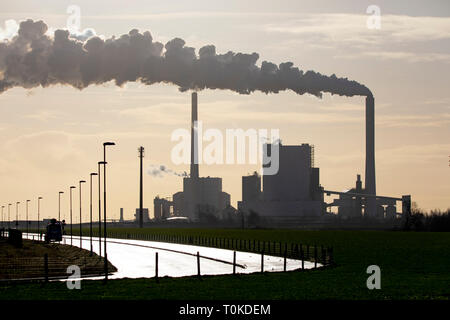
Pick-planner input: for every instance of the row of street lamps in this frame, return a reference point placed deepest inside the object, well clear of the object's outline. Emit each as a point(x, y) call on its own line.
point(100, 163)
point(105, 144)
point(17, 213)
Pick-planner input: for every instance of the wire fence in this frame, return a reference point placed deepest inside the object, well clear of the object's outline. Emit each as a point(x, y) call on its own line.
point(47, 267)
point(321, 254)
point(309, 252)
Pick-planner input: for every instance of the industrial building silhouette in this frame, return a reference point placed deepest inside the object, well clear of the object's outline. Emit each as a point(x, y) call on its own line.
point(200, 195)
point(293, 192)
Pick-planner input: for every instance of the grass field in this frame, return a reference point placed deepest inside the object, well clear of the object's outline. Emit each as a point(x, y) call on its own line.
point(413, 265)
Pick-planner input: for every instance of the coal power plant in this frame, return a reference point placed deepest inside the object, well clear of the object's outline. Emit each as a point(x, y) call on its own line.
point(293, 194)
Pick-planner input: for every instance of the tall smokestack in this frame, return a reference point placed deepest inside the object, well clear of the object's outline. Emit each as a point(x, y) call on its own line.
point(194, 138)
point(370, 155)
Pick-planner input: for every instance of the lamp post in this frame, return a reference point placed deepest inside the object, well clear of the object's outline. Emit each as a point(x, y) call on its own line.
point(3, 219)
point(27, 216)
point(90, 225)
point(59, 205)
point(105, 144)
point(9, 216)
point(17, 214)
point(39, 209)
point(141, 188)
point(99, 211)
point(81, 246)
point(71, 187)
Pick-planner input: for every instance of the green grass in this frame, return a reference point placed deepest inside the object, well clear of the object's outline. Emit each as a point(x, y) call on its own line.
point(413, 266)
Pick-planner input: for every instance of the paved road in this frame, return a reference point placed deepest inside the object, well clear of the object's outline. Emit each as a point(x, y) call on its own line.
point(136, 259)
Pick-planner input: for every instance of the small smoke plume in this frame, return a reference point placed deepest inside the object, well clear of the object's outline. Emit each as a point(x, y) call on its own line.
point(162, 170)
point(33, 59)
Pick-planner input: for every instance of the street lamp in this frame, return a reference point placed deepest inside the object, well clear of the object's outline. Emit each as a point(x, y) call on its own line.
point(81, 245)
point(71, 187)
point(59, 205)
point(17, 214)
point(105, 144)
point(27, 216)
point(3, 220)
point(39, 209)
point(90, 225)
point(9, 216)
point(99, 211)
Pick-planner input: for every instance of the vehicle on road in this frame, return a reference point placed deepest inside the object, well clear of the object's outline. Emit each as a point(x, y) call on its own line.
point(54, 231)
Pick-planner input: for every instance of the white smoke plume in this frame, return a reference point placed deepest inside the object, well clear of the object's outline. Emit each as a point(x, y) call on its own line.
point(33, 59)
point(162, 170)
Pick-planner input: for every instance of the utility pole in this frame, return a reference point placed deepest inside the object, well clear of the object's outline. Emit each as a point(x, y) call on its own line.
point(105, 144)
point(81, 231)
point(141, 188)
point(27, 215)
point(17, 214)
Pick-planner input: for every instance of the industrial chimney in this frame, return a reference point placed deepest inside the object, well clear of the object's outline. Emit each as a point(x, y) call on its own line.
point(194, 138)
point(370, 187)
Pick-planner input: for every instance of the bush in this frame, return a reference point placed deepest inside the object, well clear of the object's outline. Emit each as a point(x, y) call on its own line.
point(422, 221)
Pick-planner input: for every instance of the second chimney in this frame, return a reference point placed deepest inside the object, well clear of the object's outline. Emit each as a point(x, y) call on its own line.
point(194, 138)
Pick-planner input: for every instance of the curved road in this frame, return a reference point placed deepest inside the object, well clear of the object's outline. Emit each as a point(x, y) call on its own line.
point(136, 259)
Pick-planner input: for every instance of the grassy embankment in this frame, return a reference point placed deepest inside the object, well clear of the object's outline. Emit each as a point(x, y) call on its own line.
point(413, 266)
point(28, 261)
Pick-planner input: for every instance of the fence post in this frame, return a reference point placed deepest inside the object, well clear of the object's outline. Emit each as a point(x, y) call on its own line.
point(315, 256)
point(156, 266)
point(234, 262)
point(331, 255)
point(324, 258)
point(46, 267)
point(285, 253)
point(262, 261)
point(198, 264)
point(302, 256)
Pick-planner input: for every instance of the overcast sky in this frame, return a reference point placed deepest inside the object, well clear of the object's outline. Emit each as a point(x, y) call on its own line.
point(51, 138)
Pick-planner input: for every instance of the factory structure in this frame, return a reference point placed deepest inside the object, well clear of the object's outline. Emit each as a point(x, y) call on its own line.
point(294, 192)
point(200, 195)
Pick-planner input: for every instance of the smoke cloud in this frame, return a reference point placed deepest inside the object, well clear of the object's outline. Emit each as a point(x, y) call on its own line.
point(33, 59)
point(161, 170)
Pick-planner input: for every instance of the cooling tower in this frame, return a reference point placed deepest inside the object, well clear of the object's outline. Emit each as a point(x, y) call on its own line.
point(370, 155)
point(194, 138)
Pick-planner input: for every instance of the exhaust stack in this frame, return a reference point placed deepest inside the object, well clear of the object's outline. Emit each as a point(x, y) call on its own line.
point(194, 138)
point(370, 186)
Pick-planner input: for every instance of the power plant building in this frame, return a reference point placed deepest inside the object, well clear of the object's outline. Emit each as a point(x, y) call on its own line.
point(251, 187)
point(294, 191)
point(145, 215)
point(353, 204)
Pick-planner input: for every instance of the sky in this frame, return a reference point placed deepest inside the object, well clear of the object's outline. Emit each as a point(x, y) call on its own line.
point(50, 138)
